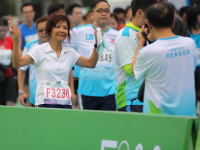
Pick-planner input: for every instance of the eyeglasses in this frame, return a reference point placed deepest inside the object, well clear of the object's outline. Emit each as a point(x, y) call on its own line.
point(41, 30)
point(100, 11)
point(3, 30)
point(27, 12)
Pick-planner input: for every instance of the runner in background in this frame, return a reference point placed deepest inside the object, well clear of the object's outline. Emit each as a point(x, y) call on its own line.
point(74, 15)
point(128, 14)
point(127, 86)
point(167, 65)
point(120, 12)
point(193, 22)
point(183, 15)
point(113, 23)
point(56, 8)
point(97, 85)
point(52, 62)
point(28, 33)
point(87, 19)
point(41, 30)
point(8, 79)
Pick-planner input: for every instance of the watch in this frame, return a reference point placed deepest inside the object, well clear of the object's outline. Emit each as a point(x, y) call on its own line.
point(20, 92)
point(95, 45)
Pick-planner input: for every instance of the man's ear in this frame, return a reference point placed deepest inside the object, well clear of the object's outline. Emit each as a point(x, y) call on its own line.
point(149, 25)
point(139, 13)
point(92, 15)
point(173, 23)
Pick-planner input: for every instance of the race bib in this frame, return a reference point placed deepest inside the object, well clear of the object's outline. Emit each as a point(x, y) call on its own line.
point(57, 92)
point(30, 38)
point(5, 57)
point(105, 57)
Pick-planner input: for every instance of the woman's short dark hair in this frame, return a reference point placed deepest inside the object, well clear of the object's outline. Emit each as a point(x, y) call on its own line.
point(192, 17)
point(41, 19)
point(114, 16)
point(53, 20)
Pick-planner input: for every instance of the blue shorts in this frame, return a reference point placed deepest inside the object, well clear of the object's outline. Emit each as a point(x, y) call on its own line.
point(55, 106)
point(99, 103)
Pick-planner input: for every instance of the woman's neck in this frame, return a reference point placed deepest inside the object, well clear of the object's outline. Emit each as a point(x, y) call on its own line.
point(55, 45)
point(194, 31)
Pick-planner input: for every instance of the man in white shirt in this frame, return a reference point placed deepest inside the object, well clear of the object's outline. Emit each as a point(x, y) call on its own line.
point(127, 86)
point(97, 85)
point(167, 66)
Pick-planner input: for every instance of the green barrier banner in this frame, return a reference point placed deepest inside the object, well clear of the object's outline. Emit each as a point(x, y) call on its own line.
point(61, 129)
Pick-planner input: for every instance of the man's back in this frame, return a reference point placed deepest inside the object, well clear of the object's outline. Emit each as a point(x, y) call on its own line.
point(168, 66)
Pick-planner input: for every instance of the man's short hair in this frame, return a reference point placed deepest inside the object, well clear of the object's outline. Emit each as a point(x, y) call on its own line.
point(192, 17)
point(119, 10)
point(26, 4)
point(41, 19)
point(126, 11)
point(141, 4)
point(183, 10)
point(160, 15)
point(55, 7)
point(94, 4)
point(71, 7)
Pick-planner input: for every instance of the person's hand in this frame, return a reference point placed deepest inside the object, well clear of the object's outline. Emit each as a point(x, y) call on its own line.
point(14, 31)
point(140, 37)
point(22, 97)
point(95, 33)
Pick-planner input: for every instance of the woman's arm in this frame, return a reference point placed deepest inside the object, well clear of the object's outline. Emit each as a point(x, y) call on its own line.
point(92, 61)
point(88, 63)
point(16, 59)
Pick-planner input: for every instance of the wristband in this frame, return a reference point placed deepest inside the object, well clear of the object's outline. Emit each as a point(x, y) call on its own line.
point(95, 45)
point(20, 92)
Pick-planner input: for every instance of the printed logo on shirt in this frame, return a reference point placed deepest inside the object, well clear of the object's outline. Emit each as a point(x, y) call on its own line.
point(177, 52)
point(112, 40)
point(89, 36)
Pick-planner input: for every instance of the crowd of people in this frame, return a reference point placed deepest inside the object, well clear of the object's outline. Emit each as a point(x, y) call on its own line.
point(143, 59)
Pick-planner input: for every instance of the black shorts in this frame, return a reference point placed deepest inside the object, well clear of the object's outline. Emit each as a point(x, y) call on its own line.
point(197, 78)
point(76, 84)
point(132, 108)
point(26, 77)
point(55, 106)
point(8, 90)
point(99, 103)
